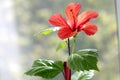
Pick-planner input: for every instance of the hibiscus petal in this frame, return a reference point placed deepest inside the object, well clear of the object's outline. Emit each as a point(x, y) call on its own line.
point(90, 29)
point(65, 32)
point(86, 16)
point(57, 20)
point(72, 11)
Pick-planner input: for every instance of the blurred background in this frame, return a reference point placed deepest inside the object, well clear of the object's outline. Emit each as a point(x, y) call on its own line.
point(20, 20)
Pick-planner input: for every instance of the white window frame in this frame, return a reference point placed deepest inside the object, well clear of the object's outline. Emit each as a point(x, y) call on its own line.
point(117, 5)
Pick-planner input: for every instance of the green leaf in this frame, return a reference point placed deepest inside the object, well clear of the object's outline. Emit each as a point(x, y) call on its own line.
point(84, 60)
point(47, 31)
point(83, 75)
point(61, 45)
point(45, 68)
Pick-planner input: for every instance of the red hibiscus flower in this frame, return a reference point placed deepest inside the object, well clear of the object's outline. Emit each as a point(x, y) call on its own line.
point(75, 23)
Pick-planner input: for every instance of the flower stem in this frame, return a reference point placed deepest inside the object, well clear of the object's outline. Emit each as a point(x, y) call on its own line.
point(69, 52)
point(73, 46)
point(74, 43)
point(67, 70)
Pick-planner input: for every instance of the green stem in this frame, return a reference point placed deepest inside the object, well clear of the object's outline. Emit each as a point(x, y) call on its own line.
point(73, 46)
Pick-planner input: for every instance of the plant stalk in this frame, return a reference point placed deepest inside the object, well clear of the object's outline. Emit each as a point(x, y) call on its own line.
point(67, 70)
point(69, 51)
point(73, 45)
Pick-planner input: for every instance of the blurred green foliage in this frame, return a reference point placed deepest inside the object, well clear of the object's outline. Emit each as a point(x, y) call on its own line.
point(32, 16)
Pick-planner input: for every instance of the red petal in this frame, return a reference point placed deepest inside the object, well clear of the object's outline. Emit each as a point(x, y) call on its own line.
point(90, 29)
point(86, 16)
point(57, 20)
point(65, 32)
point(72, 11)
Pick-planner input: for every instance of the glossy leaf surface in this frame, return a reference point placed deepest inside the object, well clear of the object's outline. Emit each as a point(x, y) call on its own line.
point(45, 68)
point(83, 60)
